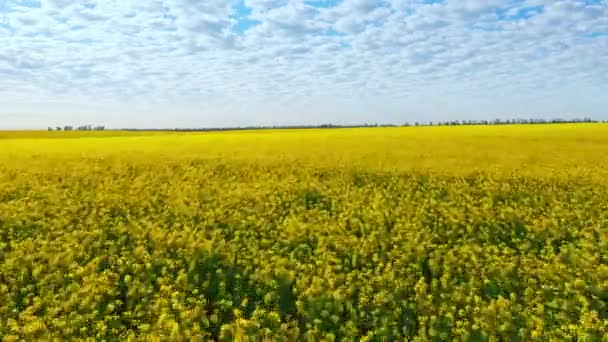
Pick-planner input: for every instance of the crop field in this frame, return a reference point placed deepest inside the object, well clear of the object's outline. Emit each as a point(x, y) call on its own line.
point(475, 233)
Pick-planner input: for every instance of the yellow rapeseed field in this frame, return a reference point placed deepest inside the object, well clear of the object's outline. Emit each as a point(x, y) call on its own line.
point(479, 233)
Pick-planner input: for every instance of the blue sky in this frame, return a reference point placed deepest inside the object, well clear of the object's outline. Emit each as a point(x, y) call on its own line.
point(186, 63)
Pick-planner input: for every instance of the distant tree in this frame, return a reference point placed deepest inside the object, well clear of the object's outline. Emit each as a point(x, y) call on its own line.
point(58, 128)
point(99, 128)
point(67, 128)
point(50, 129)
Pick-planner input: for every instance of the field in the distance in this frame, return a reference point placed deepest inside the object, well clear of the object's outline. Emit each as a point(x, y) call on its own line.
point(423, 233)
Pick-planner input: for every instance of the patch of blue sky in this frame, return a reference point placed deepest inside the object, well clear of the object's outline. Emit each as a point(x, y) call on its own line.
point(323, 3)
point(345, 45)
point(244, 24)
point(29, 3)
point(339, 37)
point(243, 20)
point(594, 34)
point(521, 14)
point(5, 6)
point(334, 33)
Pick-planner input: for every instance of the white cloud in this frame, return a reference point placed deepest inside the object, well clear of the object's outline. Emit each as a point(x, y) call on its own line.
point(217, 62)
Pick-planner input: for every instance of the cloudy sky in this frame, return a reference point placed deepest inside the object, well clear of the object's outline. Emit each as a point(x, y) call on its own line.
point(184, 63)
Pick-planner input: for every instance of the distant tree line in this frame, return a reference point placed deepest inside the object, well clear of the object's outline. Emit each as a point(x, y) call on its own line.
point(250, 128)
point(504, 122)
point(430, 123)
point(328, 126)
point(79, 128)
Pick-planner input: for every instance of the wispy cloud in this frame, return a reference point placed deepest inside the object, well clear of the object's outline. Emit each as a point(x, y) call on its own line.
point(218, 62)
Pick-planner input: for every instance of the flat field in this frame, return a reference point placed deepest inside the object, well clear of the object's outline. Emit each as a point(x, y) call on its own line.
point(479, 233)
